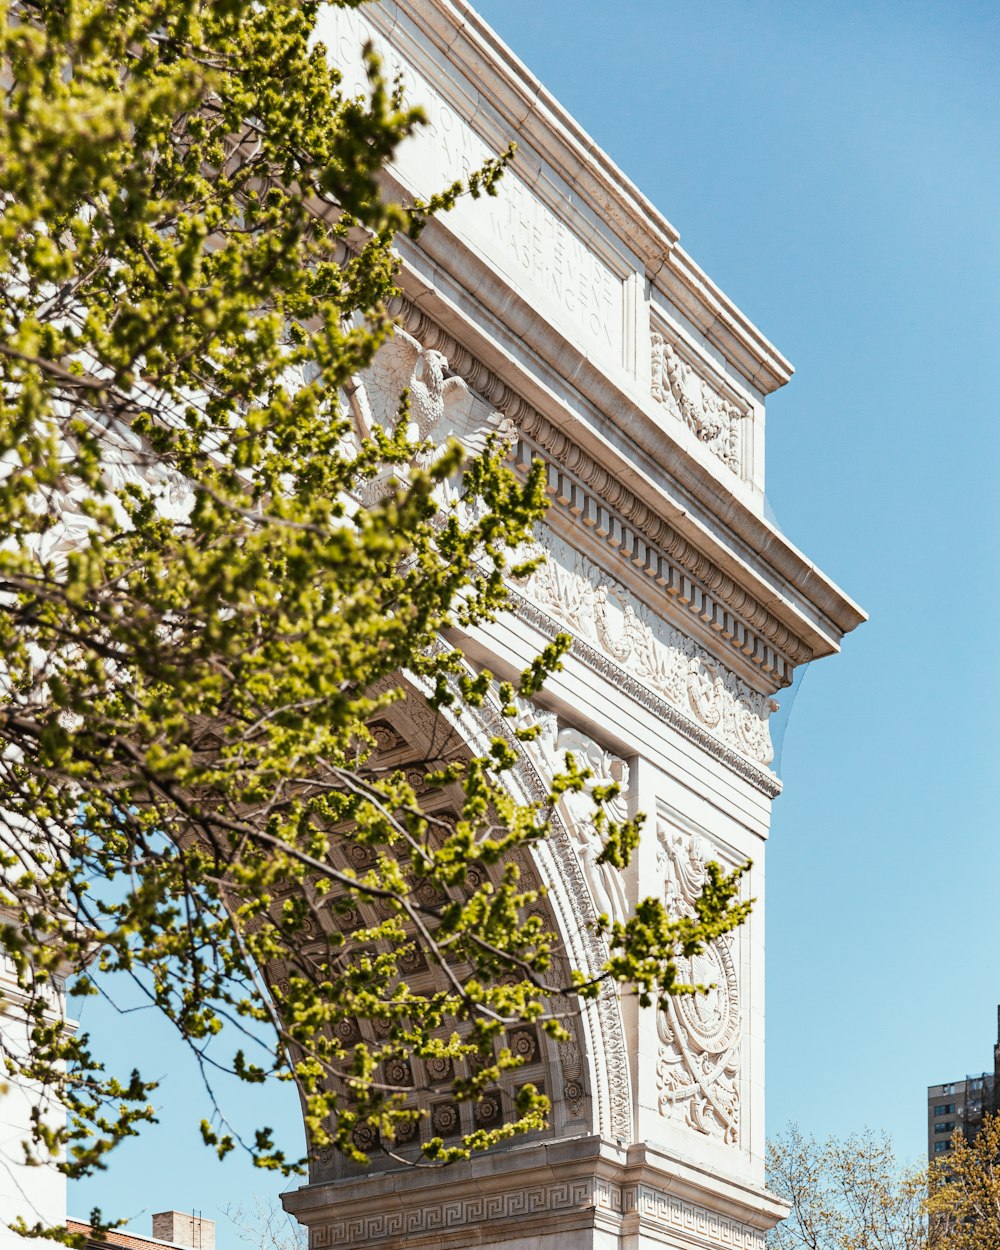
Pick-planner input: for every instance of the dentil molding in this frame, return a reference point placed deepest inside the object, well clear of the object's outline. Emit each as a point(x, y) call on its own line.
point(596, 498)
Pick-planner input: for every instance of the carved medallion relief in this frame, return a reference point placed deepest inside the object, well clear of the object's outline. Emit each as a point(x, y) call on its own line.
point(698, 1060)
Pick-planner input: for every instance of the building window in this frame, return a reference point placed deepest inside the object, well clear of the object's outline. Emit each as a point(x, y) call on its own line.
point(941, 1146)
point(946, 1108)
point(947, 1089)
point(947, 1127)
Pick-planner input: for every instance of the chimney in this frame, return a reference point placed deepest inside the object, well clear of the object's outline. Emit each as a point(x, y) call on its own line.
point(184, 1230)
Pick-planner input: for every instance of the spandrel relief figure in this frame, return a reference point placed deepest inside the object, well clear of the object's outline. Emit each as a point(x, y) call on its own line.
point(550, 748)
point(126, 460)
point(606, 882)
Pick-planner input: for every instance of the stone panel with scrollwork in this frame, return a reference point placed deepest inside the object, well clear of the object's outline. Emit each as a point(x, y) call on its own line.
point(698, 1059)
point(681, 388)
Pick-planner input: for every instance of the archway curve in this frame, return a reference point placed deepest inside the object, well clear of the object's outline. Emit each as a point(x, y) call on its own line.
point(558, 864)
point(587, 1079)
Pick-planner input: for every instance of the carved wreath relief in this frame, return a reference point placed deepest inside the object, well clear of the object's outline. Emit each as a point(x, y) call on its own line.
point(601, 611)
point(713, 420)
point(697, 1071)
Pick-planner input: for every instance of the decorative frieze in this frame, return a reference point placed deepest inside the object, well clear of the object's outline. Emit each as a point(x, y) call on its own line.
point(759, 777)
point(698, 1062)
point(601, 611)
point(592, 1199)
point(687, 395)
point(703, 1227)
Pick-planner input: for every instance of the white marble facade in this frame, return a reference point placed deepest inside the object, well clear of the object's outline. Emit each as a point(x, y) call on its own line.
point(564, 315)
point(35, 1193)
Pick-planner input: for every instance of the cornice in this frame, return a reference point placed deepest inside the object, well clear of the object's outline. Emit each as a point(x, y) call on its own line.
point(674, 510)
point(754, 614)
point(527, 111)
point(648, 542)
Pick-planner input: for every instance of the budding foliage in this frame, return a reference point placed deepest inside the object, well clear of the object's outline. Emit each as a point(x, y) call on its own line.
point(201, 616)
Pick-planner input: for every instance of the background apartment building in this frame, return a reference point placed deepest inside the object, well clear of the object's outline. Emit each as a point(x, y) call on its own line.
point(962, 1105)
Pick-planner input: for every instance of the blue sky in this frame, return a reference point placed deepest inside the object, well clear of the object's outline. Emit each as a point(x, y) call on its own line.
point(836, 169)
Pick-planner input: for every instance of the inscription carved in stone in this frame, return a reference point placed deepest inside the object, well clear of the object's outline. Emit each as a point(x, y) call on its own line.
point(516, 230)
point(698, 1063)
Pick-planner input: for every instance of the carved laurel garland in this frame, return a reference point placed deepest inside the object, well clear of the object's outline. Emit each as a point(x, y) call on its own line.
point(586, 488)
point(600, 610)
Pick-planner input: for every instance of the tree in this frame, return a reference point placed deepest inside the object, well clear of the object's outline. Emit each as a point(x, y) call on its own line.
point(848, 1194)
point(214, 579)
point(264, 1225)
point(963, 1192)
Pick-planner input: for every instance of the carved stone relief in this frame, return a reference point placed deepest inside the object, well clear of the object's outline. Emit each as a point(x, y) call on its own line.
point(549, 750)
point(714, 420)
point(698, 1062)
point(601, 611)
point(126, 460)
point(559, 863)
point(595, 492)
point(441, 407)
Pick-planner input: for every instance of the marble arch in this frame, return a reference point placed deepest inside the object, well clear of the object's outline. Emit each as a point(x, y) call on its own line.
point(586, 1076)
point(565, 316)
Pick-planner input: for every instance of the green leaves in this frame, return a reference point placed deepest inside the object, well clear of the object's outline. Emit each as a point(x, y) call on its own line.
point(208, 634)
